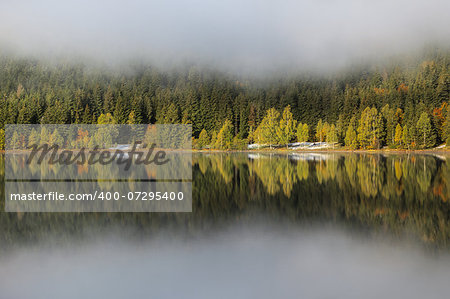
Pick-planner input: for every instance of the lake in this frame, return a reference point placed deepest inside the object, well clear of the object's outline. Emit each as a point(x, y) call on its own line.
point(299, 225)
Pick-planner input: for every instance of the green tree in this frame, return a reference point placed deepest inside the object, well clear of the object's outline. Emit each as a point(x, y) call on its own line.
point(106, 119)
point(405, 137)
point(447, 127)
point(45, 136)
point(225, 136)
point(203, 139)
point(213, 139)
point(267, 129)
point(332, 135)
point(350, 137)
point(87, 116)
point(15, 140)
point(302, 132)
point(398, 135)
point(389, 120)
point(121, 110)
point(105, 134)
point(169, 115)
point(56, 139)
point(131, 118)
point(370, 129)
point(33, 139)
point(321, 131)
point(428, 139)
point(286, 128)
point(340, 128)
point(2, 139)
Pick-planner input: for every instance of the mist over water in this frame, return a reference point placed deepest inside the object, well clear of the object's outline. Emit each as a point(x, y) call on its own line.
point(240, 36)
point(239, 263)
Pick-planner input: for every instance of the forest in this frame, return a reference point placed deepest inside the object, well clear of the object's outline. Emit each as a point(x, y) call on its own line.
point(400, 104)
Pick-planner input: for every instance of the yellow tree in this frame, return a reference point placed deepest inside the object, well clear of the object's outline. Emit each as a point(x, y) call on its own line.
point(350, 137)
point(424, 129)
point(370, 129)
point(203, 139)
point(2, 139)
point(267, 129)
point(225, 136)
point(332, 134)
point(320, 131)
point(286, 128)
point(106, 119)
point(398, 135)
point(302, 132)
point(405, 137)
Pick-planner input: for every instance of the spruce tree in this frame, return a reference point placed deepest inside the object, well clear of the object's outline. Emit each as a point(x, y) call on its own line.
point(350, 137)
point(427, 138)
point(332, 135)
point(405, 137)
point(398, 135)
point(225, 136)
point(203, 139)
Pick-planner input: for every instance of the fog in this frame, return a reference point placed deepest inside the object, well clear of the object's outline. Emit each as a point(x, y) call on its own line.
point(236, 35)
point(234, 264)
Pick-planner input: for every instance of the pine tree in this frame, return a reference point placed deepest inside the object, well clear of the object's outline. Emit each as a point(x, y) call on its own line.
point(398, 135)
point(389, 120)
point(33, 139)
point(24, 115)
point(131, 118)
point(405, 137)
point(350, 137)
point(213, 139)
point(45, 136)
point(320, 133)
point(428, 139)
point(447, 127)
point(370, 129)
point(15, 140)
point(122, 111)
point(55, 114)
point(340, 128)
point(98, 102)
point(251, 123)
point(203, 139)
point(56, 139)
point(225, 136)
point(332, 135)
point(11, 115)
point(108, 102)
point(2, 139)
point(87, 116)
point(106, 119)
point(170, 115)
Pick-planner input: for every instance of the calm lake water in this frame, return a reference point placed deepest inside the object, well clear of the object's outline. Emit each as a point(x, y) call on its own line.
point(263, 226)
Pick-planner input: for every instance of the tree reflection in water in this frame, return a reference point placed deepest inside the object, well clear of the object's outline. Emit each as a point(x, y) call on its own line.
point(394, 194)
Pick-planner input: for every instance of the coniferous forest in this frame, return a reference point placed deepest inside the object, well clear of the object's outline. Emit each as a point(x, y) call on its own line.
point(395, 105)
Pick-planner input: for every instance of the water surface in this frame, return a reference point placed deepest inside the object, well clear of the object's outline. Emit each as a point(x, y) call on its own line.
point(305, 225)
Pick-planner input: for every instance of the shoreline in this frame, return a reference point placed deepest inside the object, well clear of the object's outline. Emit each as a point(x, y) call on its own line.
point(289, 151)
point(341, 151)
